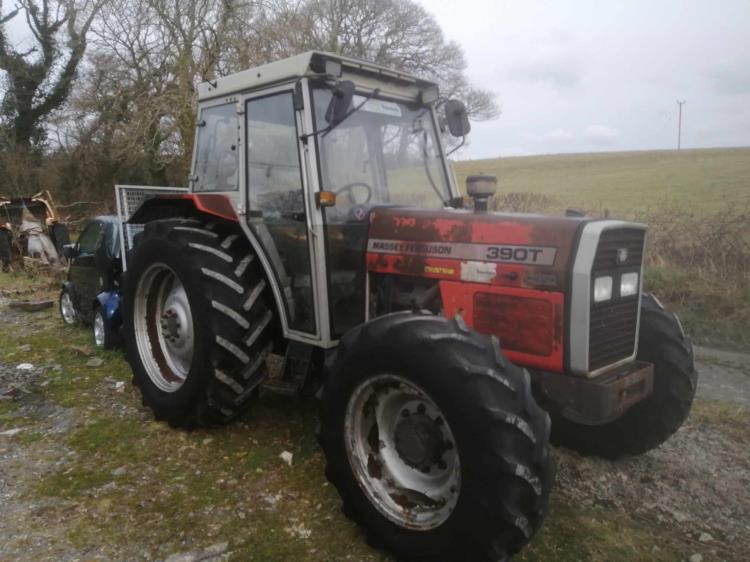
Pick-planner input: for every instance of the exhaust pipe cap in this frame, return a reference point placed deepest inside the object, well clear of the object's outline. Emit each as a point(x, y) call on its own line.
point(481, 188)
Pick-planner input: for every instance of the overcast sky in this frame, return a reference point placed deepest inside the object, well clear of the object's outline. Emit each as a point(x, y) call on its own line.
point(580, 76)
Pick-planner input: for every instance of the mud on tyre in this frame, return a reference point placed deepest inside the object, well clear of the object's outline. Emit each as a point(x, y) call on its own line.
point(197, 321)
point(434, 441)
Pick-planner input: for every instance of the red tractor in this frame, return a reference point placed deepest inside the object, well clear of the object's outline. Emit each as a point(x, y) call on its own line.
point(323, 223)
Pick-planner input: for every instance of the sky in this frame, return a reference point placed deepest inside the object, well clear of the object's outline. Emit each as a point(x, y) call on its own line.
point(588, 76)
point(601, 75)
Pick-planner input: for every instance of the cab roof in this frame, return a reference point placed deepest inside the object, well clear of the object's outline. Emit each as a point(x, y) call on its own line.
point(312, 64)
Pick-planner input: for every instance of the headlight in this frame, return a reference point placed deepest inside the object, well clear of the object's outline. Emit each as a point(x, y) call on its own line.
point(628, 284)
point(602, 289)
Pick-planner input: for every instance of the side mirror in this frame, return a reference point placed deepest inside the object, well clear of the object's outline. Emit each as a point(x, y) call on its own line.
point(457, 118)
point(340, 102)
point(70, 251)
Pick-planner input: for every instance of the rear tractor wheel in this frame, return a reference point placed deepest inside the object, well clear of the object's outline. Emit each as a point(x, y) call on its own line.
point(197, 323)
point(651, 422)
point(434, 441)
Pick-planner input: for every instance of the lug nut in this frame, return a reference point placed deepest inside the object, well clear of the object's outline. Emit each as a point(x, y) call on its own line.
point(405, 413)
point(421, 409)
point(441, 464)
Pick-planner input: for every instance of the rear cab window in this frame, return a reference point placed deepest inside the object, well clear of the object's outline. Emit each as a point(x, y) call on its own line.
point(217, 156)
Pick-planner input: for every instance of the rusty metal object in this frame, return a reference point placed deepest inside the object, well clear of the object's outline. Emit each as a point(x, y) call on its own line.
point(38, 208)
point(598, 400)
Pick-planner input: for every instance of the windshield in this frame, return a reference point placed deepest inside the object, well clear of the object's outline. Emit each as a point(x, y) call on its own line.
point(384, 153)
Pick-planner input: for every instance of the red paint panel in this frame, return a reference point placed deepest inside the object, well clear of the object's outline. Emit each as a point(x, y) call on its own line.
point(507, 275)
point(213, 204)
point(465, 227)
point(528, 323)
point(415, 266)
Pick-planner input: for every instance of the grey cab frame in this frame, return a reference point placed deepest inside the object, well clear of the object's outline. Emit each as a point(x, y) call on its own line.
point(319, 331)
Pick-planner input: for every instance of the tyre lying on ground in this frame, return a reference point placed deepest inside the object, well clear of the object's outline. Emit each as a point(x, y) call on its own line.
point(649, 423)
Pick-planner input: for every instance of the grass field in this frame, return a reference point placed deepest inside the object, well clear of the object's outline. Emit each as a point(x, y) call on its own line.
point(626, 182)
point(697, 206)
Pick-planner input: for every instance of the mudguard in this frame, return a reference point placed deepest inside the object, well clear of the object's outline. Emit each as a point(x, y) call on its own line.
point(184, 204)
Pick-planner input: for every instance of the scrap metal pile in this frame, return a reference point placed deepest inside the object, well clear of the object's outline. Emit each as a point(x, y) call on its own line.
point(31, 233)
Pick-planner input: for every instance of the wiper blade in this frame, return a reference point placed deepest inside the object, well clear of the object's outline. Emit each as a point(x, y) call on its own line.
point(330, 128)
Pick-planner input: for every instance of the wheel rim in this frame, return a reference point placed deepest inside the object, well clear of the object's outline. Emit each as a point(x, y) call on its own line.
point(402, 452)
point(66, 308)
point(99, 329)
point(163, 325)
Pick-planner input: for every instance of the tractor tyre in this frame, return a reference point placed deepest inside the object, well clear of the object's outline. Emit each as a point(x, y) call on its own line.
point(434, 441)
point(651, 422)
point(197, 322)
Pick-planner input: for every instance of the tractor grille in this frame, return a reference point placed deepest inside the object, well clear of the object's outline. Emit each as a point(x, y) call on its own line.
point(613, 324)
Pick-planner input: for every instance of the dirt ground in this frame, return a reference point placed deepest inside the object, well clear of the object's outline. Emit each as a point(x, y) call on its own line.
point(86, 474)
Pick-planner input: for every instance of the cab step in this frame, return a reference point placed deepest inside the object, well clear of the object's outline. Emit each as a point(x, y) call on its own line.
point(294, 371)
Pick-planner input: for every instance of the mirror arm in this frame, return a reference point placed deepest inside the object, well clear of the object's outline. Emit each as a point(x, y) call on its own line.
point(463, 141)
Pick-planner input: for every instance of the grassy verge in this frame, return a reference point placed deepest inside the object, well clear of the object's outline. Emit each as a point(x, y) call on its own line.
point(713, 311)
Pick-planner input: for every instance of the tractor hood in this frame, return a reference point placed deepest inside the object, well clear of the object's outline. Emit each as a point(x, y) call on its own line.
point(516, 250)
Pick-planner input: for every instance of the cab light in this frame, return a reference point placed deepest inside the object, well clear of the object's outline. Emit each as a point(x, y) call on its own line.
point(628, 284)
point(325, 199)
point(603, 289)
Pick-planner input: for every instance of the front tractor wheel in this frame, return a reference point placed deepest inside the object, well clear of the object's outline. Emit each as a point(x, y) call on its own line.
point(197, 325)
point(651, 422)
point(434, 441)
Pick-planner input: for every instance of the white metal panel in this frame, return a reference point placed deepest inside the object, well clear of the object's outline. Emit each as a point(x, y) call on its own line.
point(128, 199)
point(367, 74)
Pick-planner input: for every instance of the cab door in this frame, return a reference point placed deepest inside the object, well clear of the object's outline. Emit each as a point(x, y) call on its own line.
point(277, 212)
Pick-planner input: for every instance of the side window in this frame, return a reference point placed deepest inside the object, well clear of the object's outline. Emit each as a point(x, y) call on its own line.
point(217, 158)
point(273, 168)
point(89, 238)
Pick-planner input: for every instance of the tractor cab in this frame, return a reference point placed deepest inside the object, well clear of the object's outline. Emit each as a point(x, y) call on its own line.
point(305, 148)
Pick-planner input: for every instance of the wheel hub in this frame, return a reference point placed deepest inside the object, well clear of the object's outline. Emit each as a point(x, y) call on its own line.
point(164, 327)
point(401, 450)
point(419, 441)
point(170, 325)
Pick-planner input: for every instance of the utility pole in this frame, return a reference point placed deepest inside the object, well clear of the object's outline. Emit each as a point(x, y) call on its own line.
point(679, 123)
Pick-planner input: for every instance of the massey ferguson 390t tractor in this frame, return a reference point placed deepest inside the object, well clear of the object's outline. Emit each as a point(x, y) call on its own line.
point(322, 223)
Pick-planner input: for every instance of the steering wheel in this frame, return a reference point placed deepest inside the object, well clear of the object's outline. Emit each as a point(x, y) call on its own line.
point(350, 188)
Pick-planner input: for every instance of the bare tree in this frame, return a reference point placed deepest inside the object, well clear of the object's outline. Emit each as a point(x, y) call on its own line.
point(40, 78)
point(396, 33)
